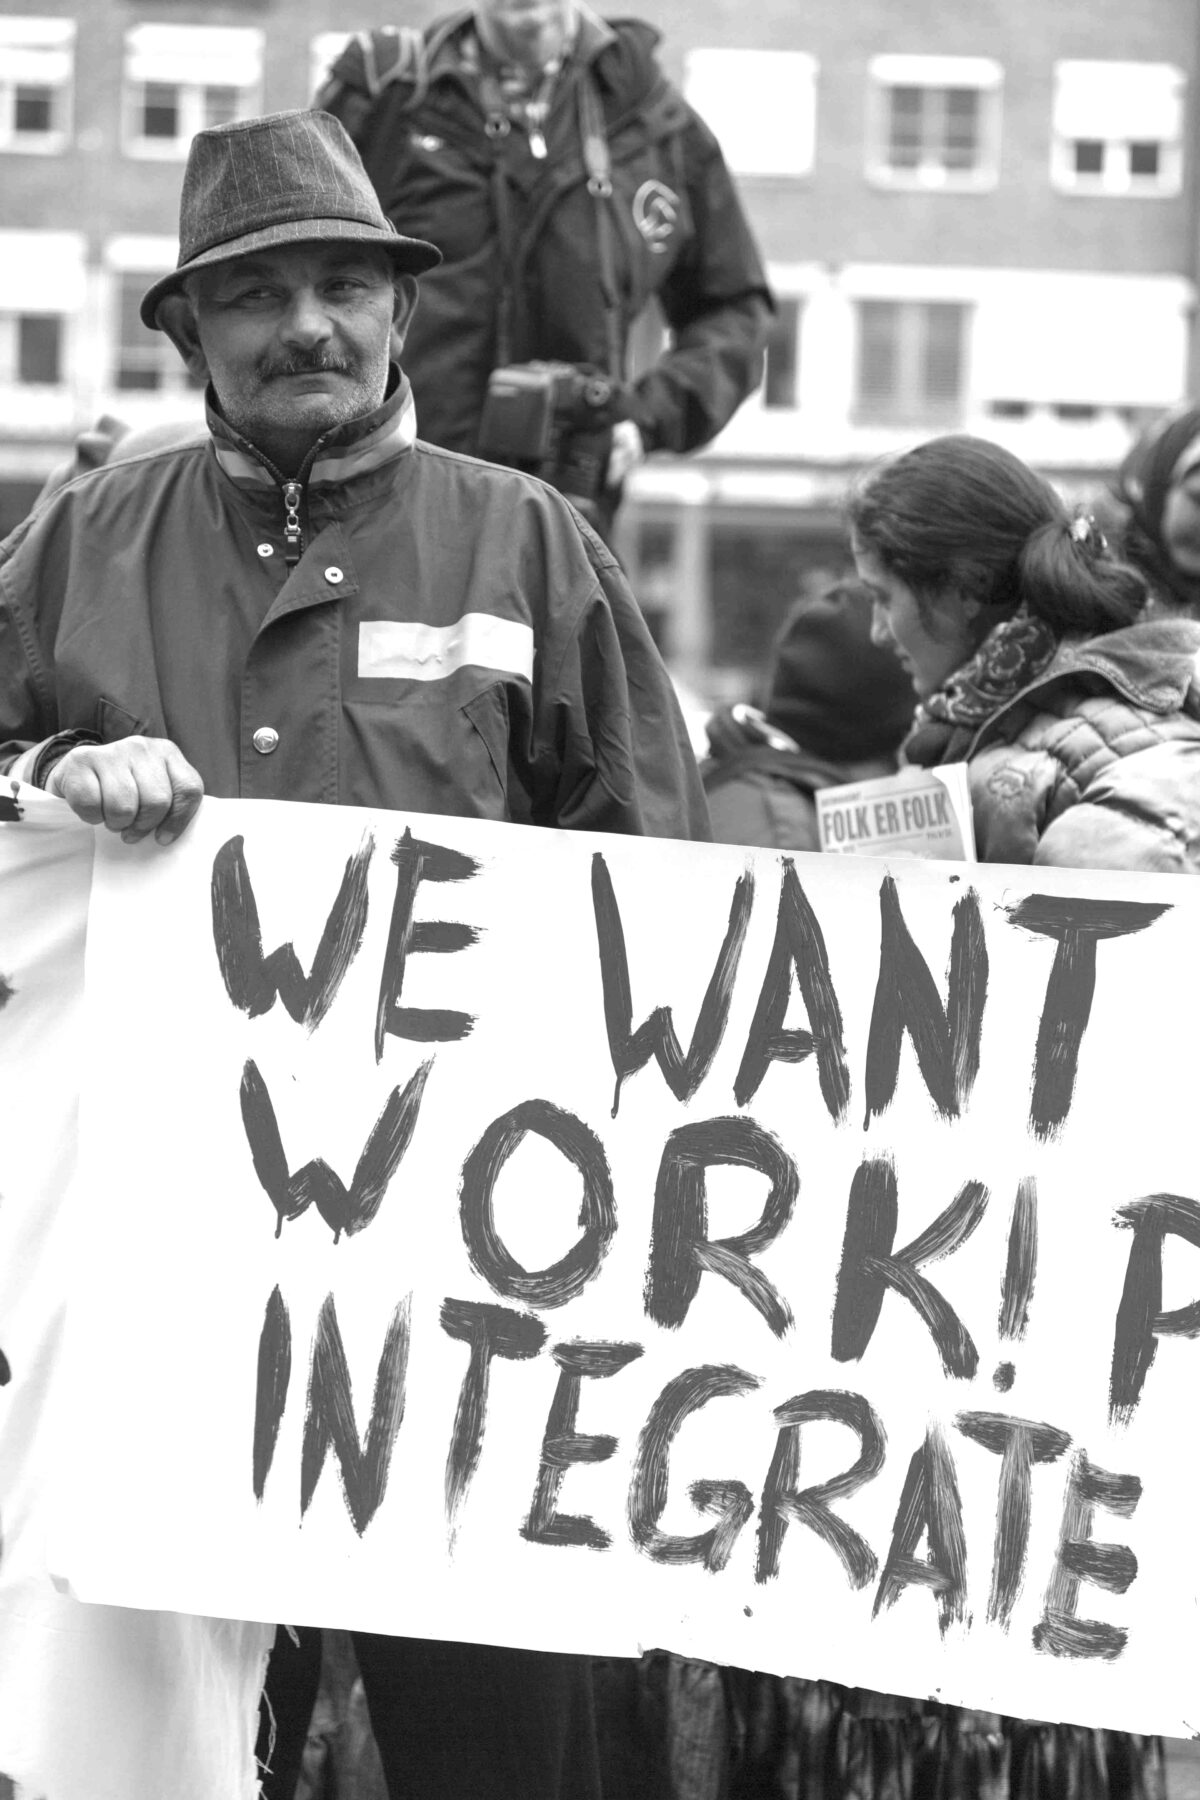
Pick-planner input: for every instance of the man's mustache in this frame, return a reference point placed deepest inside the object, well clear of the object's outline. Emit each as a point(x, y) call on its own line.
point(318, 363)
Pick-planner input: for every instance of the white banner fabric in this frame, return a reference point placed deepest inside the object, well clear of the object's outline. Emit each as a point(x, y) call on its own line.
point(596, 1243)
point(96, 1702)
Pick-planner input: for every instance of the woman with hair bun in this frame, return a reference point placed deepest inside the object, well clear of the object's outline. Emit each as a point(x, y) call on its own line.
point(1078, 715)
point(1033, 662)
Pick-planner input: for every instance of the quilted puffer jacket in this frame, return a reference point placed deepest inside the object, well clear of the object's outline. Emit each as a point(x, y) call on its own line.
point(1096, 764)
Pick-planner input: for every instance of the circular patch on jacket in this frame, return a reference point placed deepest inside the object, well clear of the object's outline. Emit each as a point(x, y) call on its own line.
point(1007, 784)
point(656, 212)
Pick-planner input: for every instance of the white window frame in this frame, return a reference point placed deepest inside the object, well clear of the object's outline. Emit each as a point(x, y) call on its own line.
point(761, 105)
point(909, 407)
point(934, 74)
point(1153, 100)
point(37, 52)
point(43, 274)
point(192, 59)
point(146, 257)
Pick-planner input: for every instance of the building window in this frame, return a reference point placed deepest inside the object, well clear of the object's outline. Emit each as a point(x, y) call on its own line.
point(36, 66)
point(911, 361)
point(782, 370)
point(31, 349)
point(39, 349)
point(934, 122)
point(1118, 128)
point(146, 362)
point(43, 287)
point(760, 104)
point(167, 111)
point(180, 79)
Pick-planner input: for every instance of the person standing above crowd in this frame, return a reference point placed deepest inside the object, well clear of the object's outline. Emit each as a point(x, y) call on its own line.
point(836, 708)
point(311, 604)
point(1033, 661)
point(1158, 487)
point(567, 184)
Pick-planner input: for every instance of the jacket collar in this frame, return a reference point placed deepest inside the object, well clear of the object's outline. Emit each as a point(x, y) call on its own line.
point(1154, 665)
point(353, 449)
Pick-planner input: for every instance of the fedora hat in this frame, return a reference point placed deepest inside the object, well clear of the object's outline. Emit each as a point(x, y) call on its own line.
point(288, 178)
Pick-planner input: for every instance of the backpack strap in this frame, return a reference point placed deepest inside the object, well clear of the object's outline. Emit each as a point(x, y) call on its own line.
point(597, 160)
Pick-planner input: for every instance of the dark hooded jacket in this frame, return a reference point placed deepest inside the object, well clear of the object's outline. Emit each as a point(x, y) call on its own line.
point(836, 709)
point(509, 223)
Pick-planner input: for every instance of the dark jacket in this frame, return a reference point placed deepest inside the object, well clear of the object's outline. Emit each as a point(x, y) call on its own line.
point(761, 793)
point(450, 640)
point(1096, 763)
point(675, 225)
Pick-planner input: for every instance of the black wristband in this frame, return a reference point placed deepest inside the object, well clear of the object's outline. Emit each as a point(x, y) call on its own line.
point(53, 751)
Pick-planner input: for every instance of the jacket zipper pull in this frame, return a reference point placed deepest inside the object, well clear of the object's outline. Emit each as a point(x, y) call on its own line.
point(535, 116)
point(292, 541)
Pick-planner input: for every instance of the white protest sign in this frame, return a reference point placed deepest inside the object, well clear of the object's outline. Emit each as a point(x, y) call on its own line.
point(96, 1702)
point(836, 1321)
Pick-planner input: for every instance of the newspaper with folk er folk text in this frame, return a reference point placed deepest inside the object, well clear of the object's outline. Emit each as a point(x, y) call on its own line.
point(917, 812)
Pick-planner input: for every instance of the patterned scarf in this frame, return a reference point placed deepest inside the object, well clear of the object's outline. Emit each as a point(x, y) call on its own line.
point(1013, 654)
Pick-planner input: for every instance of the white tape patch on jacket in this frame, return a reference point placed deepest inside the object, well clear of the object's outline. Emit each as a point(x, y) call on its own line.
point(396, 649)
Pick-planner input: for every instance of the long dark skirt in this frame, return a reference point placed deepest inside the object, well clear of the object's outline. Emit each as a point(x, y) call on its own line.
point(672, 1729)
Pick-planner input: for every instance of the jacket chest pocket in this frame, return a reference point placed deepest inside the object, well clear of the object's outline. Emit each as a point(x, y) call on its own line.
point(114, 722)
point(86, 699)
point(438, 747)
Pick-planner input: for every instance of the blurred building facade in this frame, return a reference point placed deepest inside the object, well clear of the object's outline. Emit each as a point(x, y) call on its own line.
point(981, 217)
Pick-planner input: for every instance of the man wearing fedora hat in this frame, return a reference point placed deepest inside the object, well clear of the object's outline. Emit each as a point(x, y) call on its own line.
point(309, 603)
point(382, 623)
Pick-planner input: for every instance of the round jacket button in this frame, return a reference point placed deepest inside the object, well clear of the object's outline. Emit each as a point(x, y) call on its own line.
point(265, 739)
point(334, 574)
point(266, 549)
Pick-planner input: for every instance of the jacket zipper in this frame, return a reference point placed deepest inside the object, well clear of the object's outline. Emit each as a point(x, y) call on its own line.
point(292, 490)
point(293, 541)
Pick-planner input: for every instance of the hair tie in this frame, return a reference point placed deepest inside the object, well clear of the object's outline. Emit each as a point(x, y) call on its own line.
point(1085, 533)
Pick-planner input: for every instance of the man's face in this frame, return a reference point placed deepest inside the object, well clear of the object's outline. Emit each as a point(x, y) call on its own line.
point(528, 31)
point(297, 340)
